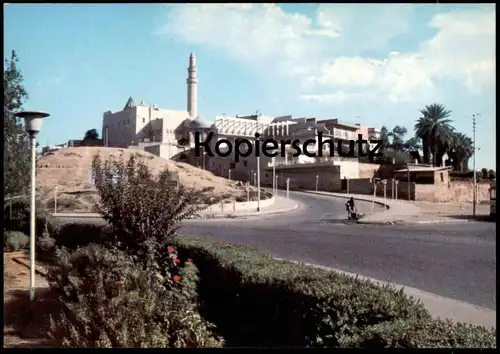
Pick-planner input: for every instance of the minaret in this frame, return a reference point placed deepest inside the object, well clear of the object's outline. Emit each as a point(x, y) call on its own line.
point(192, 88)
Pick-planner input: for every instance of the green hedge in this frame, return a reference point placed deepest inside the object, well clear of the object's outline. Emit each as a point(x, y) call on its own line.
point(255, 301)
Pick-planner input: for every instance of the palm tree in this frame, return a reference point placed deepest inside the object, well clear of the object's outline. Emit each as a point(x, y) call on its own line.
point(461, 150)
point(435, 131)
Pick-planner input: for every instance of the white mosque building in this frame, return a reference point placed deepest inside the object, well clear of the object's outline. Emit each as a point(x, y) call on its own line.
point(167, 133)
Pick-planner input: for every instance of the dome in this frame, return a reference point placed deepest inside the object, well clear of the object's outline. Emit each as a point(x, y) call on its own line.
point(200, 123)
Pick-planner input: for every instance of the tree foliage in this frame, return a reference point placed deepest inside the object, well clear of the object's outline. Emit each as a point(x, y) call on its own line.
point(91, 134)
point(16, 140)
point(143, 210)
point(439, 137)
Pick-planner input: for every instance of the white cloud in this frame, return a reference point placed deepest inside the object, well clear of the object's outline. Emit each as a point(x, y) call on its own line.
point(325, 52)
point(336, 97)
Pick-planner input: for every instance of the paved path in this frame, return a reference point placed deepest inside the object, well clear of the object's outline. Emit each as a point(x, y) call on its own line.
point(411, 212)
point(455, 261)
point(280, 205)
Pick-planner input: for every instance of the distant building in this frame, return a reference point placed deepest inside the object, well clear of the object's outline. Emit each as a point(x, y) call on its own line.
point(145, 126)
point(78, 143)
point(51, 148)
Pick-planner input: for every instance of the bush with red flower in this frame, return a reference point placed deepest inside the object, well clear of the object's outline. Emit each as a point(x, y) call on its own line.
point(110, 301)
point(131, 290)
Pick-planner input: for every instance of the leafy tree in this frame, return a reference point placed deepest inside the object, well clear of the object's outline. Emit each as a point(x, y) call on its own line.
point(484, 173)
point(384, 136)
point(16, 140)
point(397, 134)
point(460, 151)
point(492, 174)
point(91, 134)
point(144, 210)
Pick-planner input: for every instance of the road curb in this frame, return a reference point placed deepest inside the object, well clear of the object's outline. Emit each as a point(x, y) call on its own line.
point(403, 222)
point(210, 217)
point(439, 306)
point(254, 213)
point(362, 199)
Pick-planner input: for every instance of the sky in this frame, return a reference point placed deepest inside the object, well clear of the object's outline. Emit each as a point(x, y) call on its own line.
point(374, 64)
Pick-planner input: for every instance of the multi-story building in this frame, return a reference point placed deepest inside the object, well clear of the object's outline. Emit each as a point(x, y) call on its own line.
point(148, 127)
point(166, 133)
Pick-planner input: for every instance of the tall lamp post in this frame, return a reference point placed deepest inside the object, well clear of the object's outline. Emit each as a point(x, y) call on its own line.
point(474, 192)
point(32, 124)
point(275, 187)
point(258, 178)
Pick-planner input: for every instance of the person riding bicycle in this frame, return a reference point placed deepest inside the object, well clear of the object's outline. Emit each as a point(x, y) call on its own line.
point(351, 209)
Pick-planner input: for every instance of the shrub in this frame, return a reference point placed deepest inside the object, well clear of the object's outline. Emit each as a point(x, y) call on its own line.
point(426, 334)
point(19, 218)
point(14, 241)
point(109, 301)
point(256, 301)
point(46, 245)
point(74, 235)
point(143, 211)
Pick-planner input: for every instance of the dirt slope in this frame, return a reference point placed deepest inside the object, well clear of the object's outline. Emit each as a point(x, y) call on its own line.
point(69, 170)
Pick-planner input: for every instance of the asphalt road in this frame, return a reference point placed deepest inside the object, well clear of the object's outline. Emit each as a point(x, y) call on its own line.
point(452, 260)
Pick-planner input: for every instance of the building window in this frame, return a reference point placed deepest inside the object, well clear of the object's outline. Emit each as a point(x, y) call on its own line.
point(442, 176)
point(128, 121)
point(144, 120)
point(245, 163)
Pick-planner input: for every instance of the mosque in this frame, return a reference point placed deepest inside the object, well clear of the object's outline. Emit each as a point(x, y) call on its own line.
point(170, 133)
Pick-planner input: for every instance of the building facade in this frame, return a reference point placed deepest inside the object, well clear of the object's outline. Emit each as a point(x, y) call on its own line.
point(167, 133)
point(143, 126)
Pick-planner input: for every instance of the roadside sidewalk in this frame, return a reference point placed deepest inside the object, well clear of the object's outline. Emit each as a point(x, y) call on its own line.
point(280, 205)
point(411, 212)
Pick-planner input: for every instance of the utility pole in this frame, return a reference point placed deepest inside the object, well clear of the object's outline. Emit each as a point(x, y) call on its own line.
point(474, 194)
point(258, 176)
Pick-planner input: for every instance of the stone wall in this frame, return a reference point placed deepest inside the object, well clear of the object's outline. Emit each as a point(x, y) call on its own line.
point(451, 192)
point(455, 192)
point(305, 178)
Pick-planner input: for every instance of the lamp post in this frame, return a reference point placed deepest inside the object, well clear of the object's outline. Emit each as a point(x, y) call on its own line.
point(474, 192)
point(275, 187)
point(32, 124)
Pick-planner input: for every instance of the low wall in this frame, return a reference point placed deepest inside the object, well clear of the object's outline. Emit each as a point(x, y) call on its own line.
point(239, 206)
point(456, 192)
point(393, 191)
point(305, 178)
point(453, 192)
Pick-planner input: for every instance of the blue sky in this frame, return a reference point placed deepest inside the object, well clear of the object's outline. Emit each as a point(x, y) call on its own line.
point(372, 64)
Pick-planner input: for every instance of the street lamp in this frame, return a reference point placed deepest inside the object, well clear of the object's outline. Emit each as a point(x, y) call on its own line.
point(258, 178)
point(474, 192)
point(32, 124)
point(275, 187)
